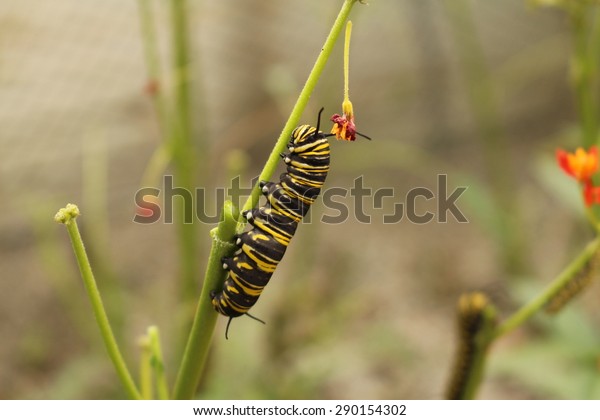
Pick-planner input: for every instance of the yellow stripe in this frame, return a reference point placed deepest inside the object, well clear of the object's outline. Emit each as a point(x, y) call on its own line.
point(303, 181)
point(262, 265)
point(244, 266)
point(283, 239)
point(283, 211)
point(250, 291)
point(293, 194)
point(302, 145)
point(310, 167)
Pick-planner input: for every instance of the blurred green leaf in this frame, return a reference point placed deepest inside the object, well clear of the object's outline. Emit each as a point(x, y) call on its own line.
point(478, 199)
point(558, 184)
point(560, 363)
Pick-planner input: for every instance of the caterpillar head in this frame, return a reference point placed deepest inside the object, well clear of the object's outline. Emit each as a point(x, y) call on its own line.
point(306, 134)
point(302, 134)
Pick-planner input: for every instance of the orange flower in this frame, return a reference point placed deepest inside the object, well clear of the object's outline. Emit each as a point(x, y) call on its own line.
point(581, 165)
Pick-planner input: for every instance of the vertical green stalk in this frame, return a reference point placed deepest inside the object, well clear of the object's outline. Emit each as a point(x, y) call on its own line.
point(205, 319)
point(58, 269)
point(158, 364)
point(67, 217)
point(181, 66)
point(183, 149)
point(152, 60)
point(146, 368)
point(483, 105)
point(175, 124)
point(198, 344)
point(584, 68)
point(161, 156)
point(594, 65)
point(152, 367)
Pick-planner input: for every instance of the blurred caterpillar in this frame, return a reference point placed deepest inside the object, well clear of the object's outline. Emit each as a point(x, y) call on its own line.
point(274, 224)
point(471, 320)
point(576, 284)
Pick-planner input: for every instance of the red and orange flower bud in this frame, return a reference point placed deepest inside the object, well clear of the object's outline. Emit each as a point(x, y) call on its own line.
point(591, 194)
point(581, 165)
point(343, 125)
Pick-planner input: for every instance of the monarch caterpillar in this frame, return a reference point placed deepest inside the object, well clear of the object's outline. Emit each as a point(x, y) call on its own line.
point(471, 320)
point(579, 281)
point(273, 225)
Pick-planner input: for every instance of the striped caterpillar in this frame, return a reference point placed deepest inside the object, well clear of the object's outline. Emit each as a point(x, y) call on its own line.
point(273, 225)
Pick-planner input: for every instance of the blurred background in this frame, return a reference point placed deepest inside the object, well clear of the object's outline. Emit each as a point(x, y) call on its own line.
point(477, 90)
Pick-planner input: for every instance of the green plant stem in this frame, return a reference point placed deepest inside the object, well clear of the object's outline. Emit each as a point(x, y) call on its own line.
point(183, 150)
point(584, 69)
point(181, 64)
point(198, 344)
point(99, 311)
point(175, 125)
point(537, 303)
point(162, 155)
point(58, 268)
point(145, 368)
point(301, 102)
point(591, 216)
point(158, 364)
point(152, 60)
